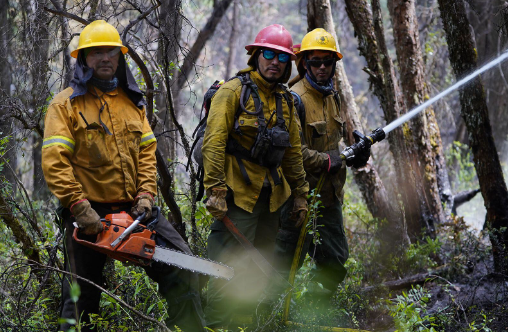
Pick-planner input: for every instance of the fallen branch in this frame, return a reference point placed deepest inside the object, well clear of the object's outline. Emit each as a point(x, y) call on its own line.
point(415, 279)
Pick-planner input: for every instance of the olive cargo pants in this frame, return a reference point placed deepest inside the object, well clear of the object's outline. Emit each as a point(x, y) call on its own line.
point(233, 303)
point(329, 255)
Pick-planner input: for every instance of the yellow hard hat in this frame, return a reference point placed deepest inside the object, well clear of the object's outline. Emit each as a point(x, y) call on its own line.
point(319, 39)
point(99, 33)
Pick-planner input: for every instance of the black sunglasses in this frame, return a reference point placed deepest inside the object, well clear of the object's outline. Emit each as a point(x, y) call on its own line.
point(269, 55)
point(318, 63)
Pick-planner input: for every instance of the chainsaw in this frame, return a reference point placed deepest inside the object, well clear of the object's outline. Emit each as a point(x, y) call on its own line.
point(128, 240)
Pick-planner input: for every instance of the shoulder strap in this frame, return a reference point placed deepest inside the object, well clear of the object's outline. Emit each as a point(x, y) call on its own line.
point(300, 107)
point(249, 88)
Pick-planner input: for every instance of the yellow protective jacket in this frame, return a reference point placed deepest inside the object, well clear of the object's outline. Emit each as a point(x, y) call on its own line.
point(221, 168)
point(323, 131)
point(80, 162)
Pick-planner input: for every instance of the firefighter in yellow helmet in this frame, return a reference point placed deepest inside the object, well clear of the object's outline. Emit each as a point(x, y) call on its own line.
point(98, 157)
point(322, 130)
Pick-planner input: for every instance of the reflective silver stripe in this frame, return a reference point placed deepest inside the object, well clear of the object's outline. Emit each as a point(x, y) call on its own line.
point(147, 138)
point(59, 140)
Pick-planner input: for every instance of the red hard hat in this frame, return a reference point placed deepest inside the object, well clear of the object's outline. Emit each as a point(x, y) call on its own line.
point(274, 36)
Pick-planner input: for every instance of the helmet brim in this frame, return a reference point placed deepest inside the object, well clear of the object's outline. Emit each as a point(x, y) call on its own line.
point(124, 49)
point(318, 48)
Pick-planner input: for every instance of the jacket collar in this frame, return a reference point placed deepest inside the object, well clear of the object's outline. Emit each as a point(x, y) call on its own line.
point(262, 84)
point(126, 81)
point(325, 90)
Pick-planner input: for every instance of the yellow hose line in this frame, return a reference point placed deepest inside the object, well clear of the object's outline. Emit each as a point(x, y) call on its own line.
point(299, 247)
point(323, 328)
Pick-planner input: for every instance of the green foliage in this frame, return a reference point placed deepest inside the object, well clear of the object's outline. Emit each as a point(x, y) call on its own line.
point(461, 167)
point(409, 311)
point(418, 256)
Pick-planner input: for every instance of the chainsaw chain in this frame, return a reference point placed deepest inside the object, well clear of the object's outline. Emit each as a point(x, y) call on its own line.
point(198, 257)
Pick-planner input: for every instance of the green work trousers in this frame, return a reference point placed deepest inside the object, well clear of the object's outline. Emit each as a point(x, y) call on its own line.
point(232, 303)
point(329, 255)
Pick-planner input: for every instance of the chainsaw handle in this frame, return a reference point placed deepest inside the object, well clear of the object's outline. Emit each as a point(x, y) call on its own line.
point(128, 230)
point(75, 234)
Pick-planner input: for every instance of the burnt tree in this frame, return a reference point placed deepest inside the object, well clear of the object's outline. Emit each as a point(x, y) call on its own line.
point(463, 58)
point(424, 128)
point(369, 29)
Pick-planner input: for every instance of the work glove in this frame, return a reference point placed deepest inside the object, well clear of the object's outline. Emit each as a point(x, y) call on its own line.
point(87, 219)
point(142, 203)
point(360, 158)
point(299, 210)
point(216, 203)
point(334, 162)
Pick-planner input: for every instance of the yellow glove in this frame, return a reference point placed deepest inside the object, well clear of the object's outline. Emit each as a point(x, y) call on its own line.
point(216, 203)
point(299, 210)
point(142, 203)
point(87, 219)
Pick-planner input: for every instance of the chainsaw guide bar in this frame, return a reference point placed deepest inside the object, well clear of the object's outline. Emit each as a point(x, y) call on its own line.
point(192, 263)
point(128, 240)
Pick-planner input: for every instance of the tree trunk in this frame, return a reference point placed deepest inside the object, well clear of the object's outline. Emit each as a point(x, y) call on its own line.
point(232, 41)
point(463, 58)
point(424, 128)
point(6, 122)
point(170, 23)
point(39, 39)
point(204, 35)
point(369, 29)
point(319, 15)
point(490, 32)
point(18, 231)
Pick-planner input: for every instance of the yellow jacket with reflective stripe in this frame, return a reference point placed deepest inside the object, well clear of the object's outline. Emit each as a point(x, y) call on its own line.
point(222, 170)
point(323, 131)
point(84, 162)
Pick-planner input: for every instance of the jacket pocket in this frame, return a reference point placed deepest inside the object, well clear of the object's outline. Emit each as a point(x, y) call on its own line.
point(134, 132)
point(248, 125)
point(98, 152)
point(340, 132)
point(318, 128)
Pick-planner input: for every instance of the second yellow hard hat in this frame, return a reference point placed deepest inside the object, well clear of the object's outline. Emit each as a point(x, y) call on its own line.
point(319, 39)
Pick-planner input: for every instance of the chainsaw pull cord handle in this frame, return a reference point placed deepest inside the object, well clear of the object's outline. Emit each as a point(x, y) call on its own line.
point(128, 230)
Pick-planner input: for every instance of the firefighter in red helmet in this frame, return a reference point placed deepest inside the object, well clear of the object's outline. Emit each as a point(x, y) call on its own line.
point(252, 163)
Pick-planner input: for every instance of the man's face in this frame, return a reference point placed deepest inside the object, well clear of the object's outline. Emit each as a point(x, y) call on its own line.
point(272, 69)
point(319, 66)
point(104, 61)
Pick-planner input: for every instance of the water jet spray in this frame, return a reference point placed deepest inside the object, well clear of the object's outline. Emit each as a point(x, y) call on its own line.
point(365, 141)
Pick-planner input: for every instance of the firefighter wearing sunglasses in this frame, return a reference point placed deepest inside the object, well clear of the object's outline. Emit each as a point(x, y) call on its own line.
point(252, 163)
point(323, 129)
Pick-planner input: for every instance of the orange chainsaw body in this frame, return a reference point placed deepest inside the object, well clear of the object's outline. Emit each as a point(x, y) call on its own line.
point(138, 247)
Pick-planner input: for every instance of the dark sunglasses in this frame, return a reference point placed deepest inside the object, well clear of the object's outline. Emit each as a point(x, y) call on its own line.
point(269, 55)
point(318, 63)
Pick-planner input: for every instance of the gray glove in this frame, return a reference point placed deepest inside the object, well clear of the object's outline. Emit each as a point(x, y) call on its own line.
point(142, 203)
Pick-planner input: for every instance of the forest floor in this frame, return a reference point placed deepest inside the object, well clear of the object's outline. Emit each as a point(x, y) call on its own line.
point(471, 297)
point(455, 290)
